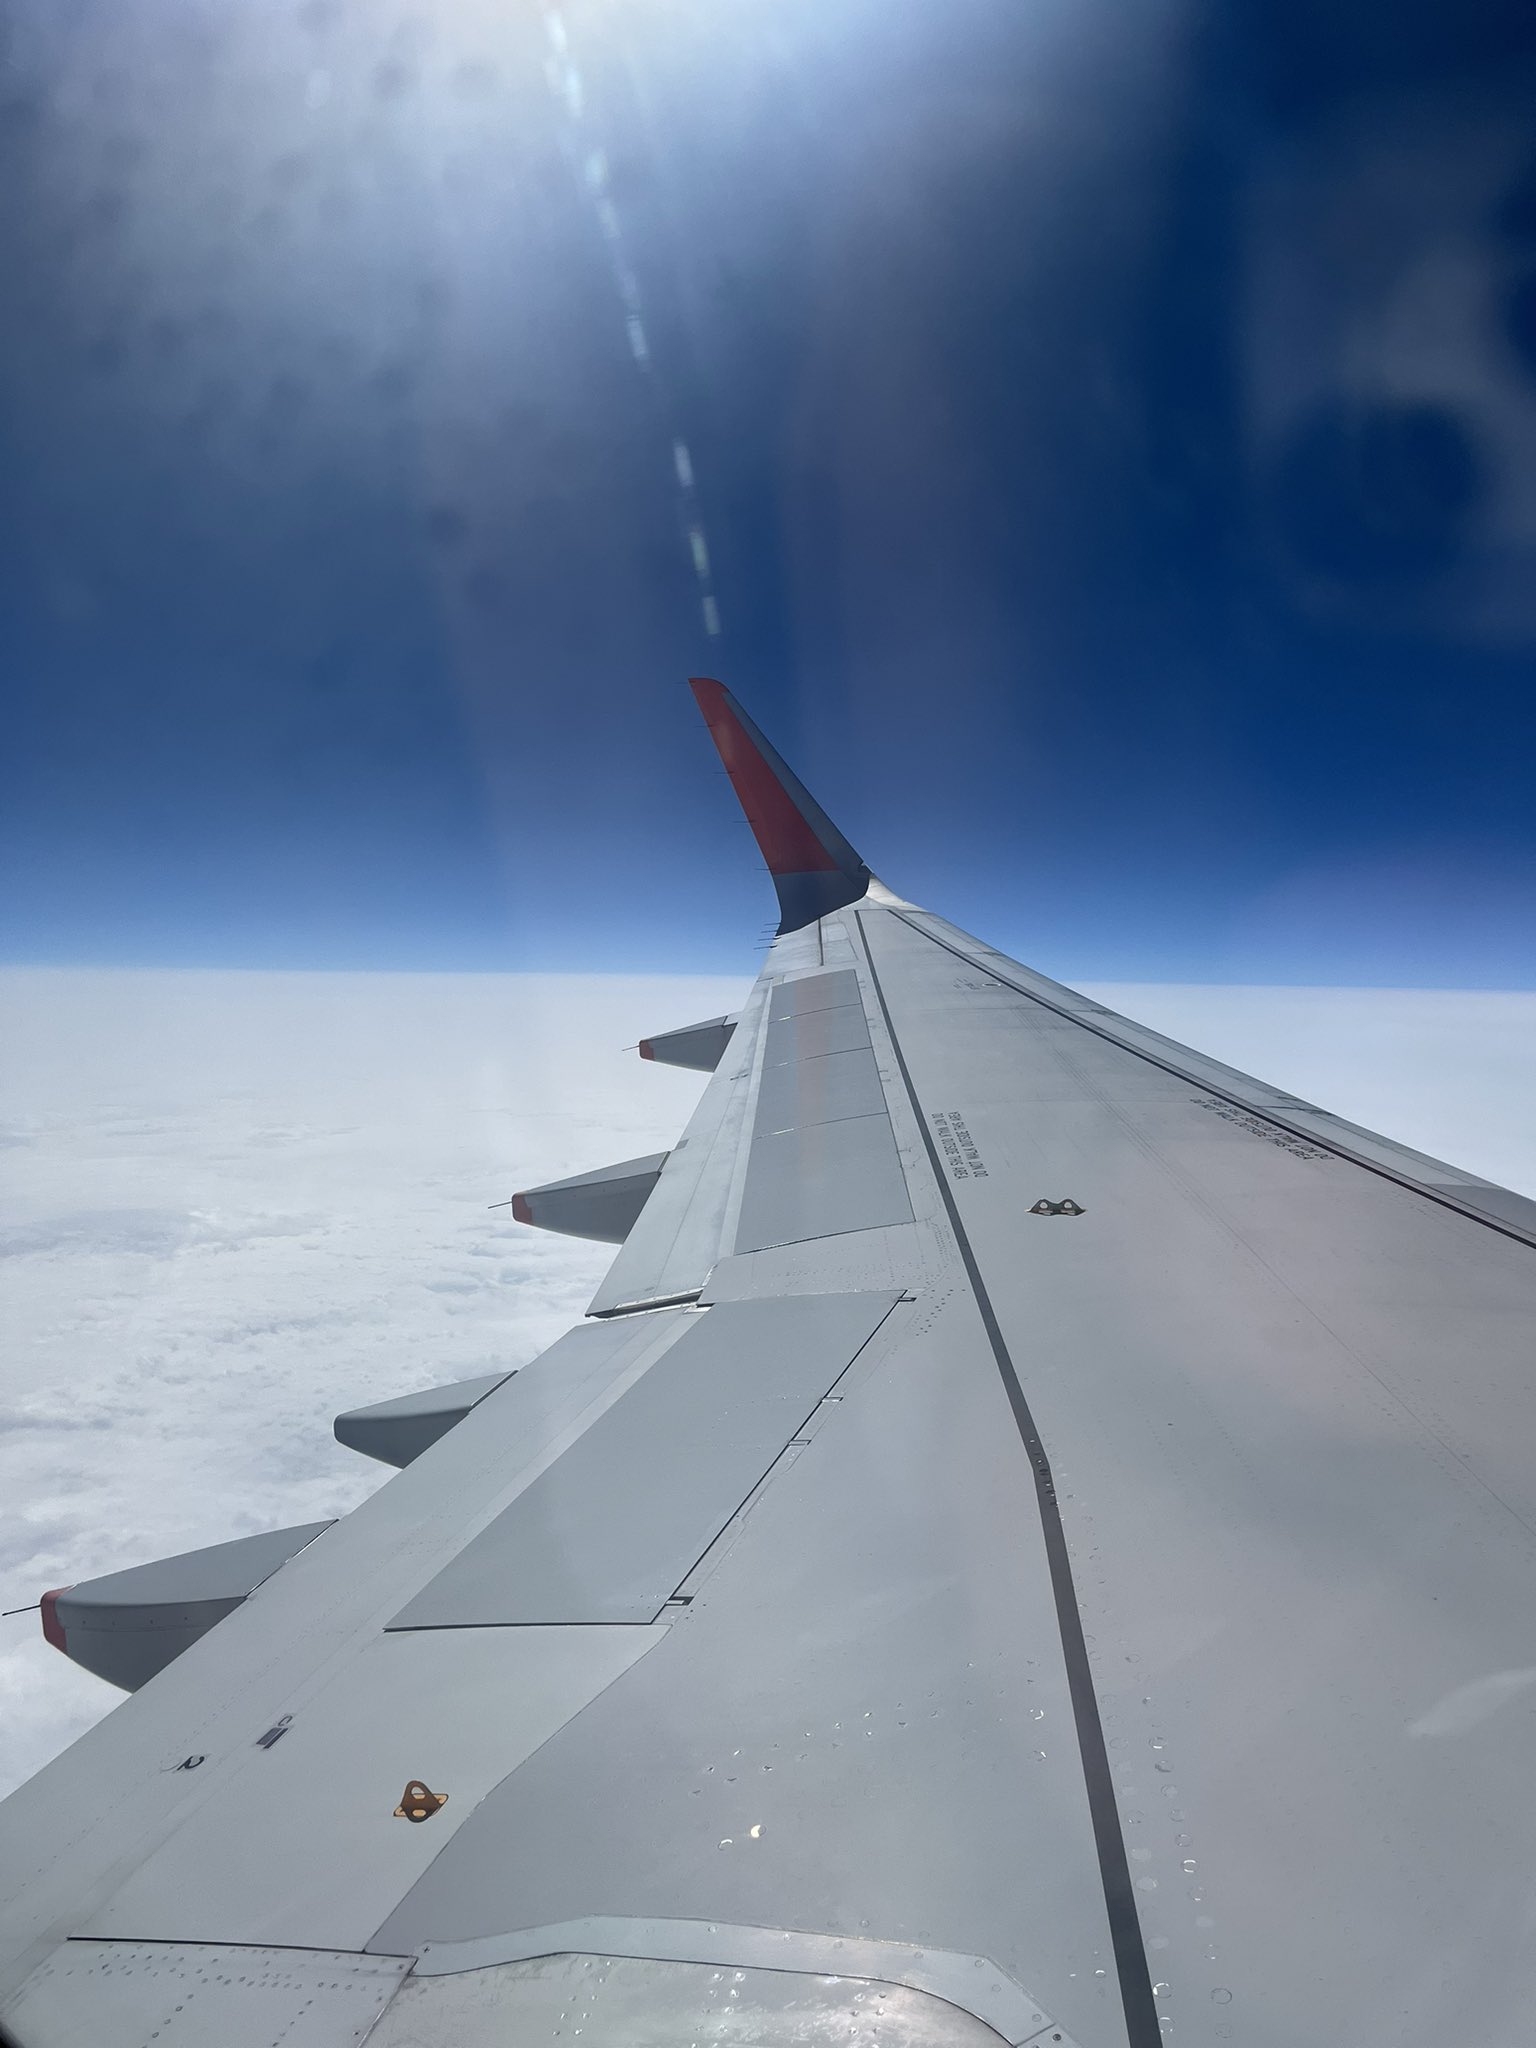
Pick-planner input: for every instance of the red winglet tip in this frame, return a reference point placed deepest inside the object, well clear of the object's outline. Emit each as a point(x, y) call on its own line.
point(521, 1213)
point(53, 1628)
point(784, 834)
point(711, 697)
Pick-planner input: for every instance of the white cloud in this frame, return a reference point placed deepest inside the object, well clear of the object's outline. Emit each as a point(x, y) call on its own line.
point(238, 1203)
point(1451, 1072)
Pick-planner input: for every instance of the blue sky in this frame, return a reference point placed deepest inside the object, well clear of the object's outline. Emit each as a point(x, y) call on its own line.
point(1104, 439)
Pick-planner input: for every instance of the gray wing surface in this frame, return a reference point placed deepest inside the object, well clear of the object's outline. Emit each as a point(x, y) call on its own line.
point(1033, 1543)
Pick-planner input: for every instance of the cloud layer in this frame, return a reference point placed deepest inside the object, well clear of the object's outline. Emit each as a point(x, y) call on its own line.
point(236, 1204)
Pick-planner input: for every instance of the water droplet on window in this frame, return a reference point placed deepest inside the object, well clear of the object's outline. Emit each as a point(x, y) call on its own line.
point(1221, 1995)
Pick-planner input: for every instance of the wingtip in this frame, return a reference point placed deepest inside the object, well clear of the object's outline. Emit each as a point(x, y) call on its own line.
point(814, 868)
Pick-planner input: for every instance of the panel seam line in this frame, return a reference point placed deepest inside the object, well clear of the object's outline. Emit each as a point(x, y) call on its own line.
point(1131, 1967)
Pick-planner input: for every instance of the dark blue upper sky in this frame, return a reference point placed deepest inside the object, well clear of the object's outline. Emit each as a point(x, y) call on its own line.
point(1096, 438)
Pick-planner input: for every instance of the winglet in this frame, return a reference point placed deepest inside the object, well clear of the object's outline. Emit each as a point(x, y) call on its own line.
point(813, 867)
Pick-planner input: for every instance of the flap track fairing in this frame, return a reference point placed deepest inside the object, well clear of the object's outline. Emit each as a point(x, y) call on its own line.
point(699, 1046)
point(129, 1625)
point(605, 1204)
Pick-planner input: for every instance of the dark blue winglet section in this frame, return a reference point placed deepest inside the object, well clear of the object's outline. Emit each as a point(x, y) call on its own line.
point(814, 869)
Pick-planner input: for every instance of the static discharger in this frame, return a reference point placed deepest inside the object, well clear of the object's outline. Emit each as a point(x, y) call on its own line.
point(1065, 1208)
point(417, 1803)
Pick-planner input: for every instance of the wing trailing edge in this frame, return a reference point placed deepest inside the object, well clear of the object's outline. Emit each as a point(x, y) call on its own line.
point(814, 869)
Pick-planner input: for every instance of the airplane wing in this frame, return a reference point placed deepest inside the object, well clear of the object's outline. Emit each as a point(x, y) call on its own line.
point(1033, 1543)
